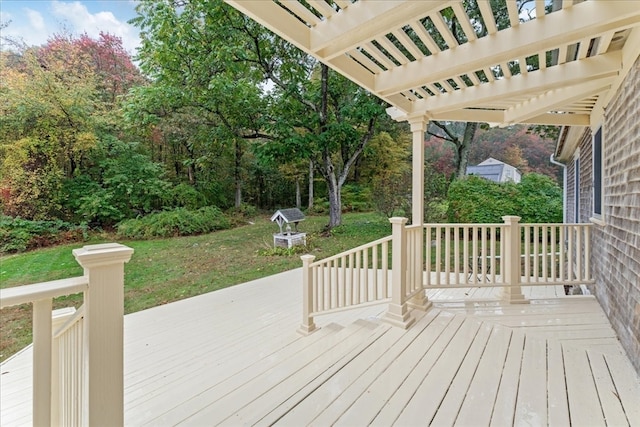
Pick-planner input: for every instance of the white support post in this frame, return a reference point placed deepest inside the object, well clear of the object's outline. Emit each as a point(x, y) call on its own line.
point(513, 292)
point(42, 362)
point(307, 326)
point(103, 341)
point(418, 128)
point(397, 313)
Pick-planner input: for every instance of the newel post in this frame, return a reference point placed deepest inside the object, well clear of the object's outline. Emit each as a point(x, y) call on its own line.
point(308, 326)
point(512, 248)
point(103, 332)
point(397, 314)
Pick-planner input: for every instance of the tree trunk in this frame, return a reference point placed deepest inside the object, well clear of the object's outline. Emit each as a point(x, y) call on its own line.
point(310, 184)
point(335, 200)
point(298, 195)
point(237, 174)
point(464, 146)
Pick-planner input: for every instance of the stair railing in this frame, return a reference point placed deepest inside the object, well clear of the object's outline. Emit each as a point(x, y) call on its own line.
point(78, 376)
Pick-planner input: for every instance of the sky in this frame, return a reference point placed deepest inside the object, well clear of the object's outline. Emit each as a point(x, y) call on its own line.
point(35, 21)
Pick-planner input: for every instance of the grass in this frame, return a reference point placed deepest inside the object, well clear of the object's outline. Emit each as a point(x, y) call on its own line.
point(166, 270)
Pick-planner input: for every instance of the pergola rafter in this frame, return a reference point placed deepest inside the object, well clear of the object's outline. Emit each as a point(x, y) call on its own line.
point(405, 52)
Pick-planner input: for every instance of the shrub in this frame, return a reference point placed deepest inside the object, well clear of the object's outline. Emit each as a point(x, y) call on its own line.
point(19, 235)
point(176, 222)
point(241, 215)
point(477, 200)
point(537, 198)
point(184, 196)
point(540, 199)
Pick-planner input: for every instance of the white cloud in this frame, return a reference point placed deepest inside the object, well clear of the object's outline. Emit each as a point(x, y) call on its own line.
point(29, 28)
point(35, 20)
point(80, 20)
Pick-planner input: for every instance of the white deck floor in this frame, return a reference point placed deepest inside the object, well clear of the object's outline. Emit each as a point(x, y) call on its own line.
point(233, 357)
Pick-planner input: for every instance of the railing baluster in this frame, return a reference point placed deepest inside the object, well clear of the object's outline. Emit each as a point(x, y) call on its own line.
point(385, 270)
point(474, 265)
point(579, 253)
point(562, 243)
point(365, 272)
point(375, 271)
point(545, 252)
point(553, 250)
point(483, 257)
point(427, 245)
point(456, 254)
point(570, 253)
point(492, 265)
point(438, 250)
point(536, 253)
point(465, 261)
point(356, 285)
point(338, 289)
point(587, 253)
point(447, 254)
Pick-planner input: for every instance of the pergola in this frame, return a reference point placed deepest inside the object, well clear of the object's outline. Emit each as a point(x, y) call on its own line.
point(561, 67)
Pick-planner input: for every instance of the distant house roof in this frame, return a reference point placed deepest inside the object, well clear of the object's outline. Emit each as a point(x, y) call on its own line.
point(491, 161)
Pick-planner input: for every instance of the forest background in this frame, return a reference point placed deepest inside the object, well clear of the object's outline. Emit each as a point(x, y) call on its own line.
point(215, 119)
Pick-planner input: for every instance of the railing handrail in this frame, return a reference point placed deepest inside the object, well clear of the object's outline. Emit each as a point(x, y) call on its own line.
point(460, 224)
point(351, 251)
point(499, 224)
point(45, 290)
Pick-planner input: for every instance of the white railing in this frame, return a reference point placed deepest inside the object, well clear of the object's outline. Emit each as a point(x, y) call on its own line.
point(555, 254)
point(356, 277)
point(439, 256)
point(463, 255)
point(78, 357)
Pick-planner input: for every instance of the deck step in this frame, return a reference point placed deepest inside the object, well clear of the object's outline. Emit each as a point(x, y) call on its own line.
point(328, 400)
point(230, 395)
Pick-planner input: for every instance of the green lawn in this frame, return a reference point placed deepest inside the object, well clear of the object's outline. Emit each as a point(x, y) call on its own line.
point(166, 270)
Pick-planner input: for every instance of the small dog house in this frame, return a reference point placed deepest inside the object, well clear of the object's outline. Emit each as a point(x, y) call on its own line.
point(287, 238)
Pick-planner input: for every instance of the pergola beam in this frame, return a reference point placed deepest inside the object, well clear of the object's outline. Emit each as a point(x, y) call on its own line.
point(556, 29)
point(497, 117)
point(555, 99)
point(534, 82)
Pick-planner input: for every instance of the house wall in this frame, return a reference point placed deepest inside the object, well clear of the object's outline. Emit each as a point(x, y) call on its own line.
point(616, 243)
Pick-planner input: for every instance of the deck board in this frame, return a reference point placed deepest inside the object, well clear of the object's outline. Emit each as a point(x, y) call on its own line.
point(233, 357)
point(479, 398)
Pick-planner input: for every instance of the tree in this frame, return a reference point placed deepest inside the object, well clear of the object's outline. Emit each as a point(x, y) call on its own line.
point(461, 136)
point(46, 126)
point(203, 100)
point(54, 114)
point(245, 84)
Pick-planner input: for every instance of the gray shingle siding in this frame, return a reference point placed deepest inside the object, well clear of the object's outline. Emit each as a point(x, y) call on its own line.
point(615, 246)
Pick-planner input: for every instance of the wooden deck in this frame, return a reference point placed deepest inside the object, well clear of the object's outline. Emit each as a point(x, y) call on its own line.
point(232, 357)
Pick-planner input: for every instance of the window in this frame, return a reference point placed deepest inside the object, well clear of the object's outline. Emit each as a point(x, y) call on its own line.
point(576, 190)
point(597, 174)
